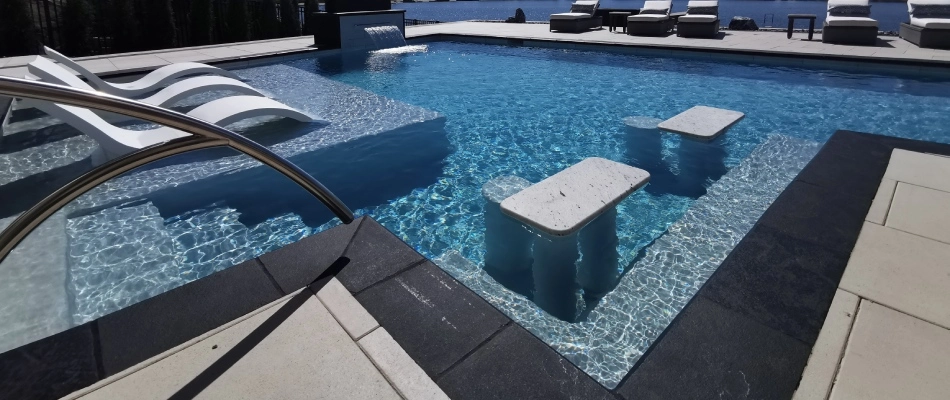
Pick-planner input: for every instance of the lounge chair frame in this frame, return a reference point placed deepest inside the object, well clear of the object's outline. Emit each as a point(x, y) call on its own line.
point(698, 29)
point(860, 35)
point(576, 25)
point(926, 37)
point(650, 28)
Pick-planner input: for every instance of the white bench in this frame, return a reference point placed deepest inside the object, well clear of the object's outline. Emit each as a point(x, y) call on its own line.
point(572, 209)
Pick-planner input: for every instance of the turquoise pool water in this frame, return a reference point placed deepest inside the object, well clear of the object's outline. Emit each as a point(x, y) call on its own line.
point(532, 112)
point(414, 135)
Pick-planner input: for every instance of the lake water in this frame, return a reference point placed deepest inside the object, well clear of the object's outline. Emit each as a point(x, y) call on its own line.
point(765, 13)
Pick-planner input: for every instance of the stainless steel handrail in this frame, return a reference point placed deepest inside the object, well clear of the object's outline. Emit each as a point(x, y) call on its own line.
point(206, 135)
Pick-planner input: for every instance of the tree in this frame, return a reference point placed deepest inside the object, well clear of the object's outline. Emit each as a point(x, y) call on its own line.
point(17, 33)
point(289, 18)
point(268, 26)
point(158, 23)
point(309, 21)
point(125, 27)
point(77, 19)
point(237, 21)
point(201, 21)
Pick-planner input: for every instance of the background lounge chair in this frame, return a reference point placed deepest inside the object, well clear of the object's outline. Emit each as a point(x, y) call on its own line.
point(48, 71)
point(581, 18)
point(653, 19)
point(155, 80)
point(701, 20)
point(929, 24)
point(849, 22)
point(115, 141)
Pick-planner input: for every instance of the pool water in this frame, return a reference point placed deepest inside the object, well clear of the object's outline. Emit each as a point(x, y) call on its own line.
point(414, 134)
point(531, 112)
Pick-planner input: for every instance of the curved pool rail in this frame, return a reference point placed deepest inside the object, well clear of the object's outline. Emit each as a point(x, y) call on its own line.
point(204, 135)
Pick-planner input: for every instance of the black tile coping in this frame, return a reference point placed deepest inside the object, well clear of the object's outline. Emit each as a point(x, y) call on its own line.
point(748, 332)
point(750, 329)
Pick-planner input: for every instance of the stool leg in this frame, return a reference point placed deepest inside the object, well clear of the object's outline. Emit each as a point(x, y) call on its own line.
point(791, 23)
point(555, 275)
point(811, 28)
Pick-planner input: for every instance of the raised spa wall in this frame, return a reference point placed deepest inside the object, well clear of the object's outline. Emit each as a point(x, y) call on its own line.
point(343, 25)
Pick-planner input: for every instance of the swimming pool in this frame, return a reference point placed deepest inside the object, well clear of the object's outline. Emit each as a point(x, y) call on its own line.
point(457, 115)
point(532, 112)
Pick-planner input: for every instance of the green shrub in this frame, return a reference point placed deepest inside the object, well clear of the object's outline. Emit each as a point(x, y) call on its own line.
point(17, 33)
point(309, 22)
point(289, 18)
point(158, 23)
point(237, 22)
point(201, 21)
point(125, 27)
point(268, 25)
point(76, 19)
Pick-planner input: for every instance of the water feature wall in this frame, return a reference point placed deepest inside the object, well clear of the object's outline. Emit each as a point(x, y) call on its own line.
point(386, 36)
point(360, 30)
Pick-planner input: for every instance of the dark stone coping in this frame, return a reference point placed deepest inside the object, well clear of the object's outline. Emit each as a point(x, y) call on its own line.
point(750, 329)
point(917, 66)
point(748, 332)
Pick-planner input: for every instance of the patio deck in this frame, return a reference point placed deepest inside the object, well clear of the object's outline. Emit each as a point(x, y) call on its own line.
point(753, 46)
point(887, 49)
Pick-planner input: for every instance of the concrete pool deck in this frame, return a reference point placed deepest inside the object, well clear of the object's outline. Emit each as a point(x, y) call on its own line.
point(887, 334)
point(759, 46)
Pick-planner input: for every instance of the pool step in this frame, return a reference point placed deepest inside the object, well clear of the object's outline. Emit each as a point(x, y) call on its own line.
point(623, 325)
point(119, 256)
point(33, 301)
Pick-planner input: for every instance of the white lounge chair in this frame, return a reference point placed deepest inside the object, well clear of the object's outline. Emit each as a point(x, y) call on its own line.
point(48, 71)
point(929, 25)
point(115, 141)
point(151, 82)
point(581, 18)
point(849, 22)
point(701, 19)
point(653, 19)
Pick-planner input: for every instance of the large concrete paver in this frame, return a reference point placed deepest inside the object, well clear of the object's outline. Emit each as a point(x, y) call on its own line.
point(307, 356)
point(927, 170)
point(348, 312)
point(892, 355)
point(823, 363)
point(903, 271)
point(407, 376)
point(882, 202)
point(921, 211)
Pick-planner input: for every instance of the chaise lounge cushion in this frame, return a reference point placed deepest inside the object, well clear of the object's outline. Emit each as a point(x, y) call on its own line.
point(647, 18)
point(849, 11)
point(570, 16)
point(586, 7)
point(931, 23)
point(849, 21)
point(698, 18)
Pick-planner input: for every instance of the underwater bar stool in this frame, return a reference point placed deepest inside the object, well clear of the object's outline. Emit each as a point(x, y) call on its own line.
point(701, 154)
point(572, 210)
point(507, 242)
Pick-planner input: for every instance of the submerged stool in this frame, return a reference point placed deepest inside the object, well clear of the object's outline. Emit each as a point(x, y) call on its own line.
point(507, 242)
point(701, 156)
point(646, 143)
point(570, 210)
